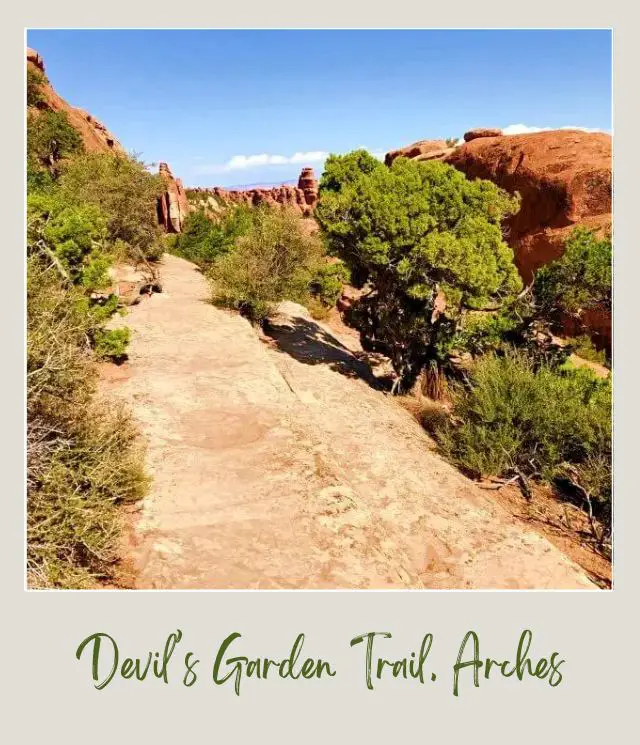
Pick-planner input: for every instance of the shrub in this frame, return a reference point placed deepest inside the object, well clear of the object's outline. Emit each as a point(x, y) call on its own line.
point(35, 81)
point(328, 282)
point(126, 194)
point(50, 138)
point(38, 178)
point(204, 239)
point(480, 332)
point(112, 343)
point(580, 279)
point(427, 240)
point(273, 261)
point(430, 414)
point(536, 419)
point(451, 141)
point(82, 454)
point(73, 235)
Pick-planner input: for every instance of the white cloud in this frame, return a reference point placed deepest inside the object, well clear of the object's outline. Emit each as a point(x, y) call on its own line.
point(242, 162)
point(264, 160)
point(523, 129)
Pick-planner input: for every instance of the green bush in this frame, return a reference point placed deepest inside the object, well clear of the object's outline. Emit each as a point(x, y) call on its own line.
point(275, 260)
point(35, 81)
point(82, 454)
point(50, 138)
point(480, 332)
point(112, 343)
point(328, 282)
point(126, 194)
point(74, 235)
point(429, 243)
point(204, 239)
point(39, 179)
point(580, 279)
point(539, 420)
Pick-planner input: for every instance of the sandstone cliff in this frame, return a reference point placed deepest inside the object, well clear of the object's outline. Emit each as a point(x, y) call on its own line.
point(562, 176)
point(173, 206)
point(564, 179)
point(95, 136)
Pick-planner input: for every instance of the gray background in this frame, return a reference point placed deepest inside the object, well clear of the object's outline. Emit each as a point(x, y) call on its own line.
point(48, 695)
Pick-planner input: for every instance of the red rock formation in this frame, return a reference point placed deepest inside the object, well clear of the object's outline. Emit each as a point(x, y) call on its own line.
point(563, 178)
point(421, 150)
point(301, 198)
point(173, 206)
point(309, 185)
point(95, 136)
point(475, 134)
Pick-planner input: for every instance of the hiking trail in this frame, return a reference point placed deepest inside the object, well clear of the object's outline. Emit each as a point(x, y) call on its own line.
point(277, 464)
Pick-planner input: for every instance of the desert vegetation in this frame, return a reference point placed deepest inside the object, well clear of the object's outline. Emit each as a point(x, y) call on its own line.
point(515, 419)
point(444, 301)
point(204, 239)
point(580, 279)
point(255, 257)
point(84, 212)
point(427, 242)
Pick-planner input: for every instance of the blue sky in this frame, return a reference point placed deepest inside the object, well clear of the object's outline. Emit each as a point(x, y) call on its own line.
point(240, 107)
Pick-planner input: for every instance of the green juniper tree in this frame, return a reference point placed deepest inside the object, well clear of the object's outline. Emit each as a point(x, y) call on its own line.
point(429, 244)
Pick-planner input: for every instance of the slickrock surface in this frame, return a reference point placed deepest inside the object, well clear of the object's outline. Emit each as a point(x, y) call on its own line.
point(278, 464)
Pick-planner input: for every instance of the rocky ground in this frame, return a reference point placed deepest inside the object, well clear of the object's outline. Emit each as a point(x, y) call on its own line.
point(278, 462)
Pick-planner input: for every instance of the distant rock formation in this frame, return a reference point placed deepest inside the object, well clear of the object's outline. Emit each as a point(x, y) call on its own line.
point(302, 197)
point(309, 185)
point(95, 136)
point(173, 206)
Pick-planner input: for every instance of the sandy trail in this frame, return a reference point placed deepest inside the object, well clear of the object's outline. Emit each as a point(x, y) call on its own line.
point(277, 465)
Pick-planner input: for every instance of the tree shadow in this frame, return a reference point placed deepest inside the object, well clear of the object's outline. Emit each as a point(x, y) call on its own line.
point(310, 344)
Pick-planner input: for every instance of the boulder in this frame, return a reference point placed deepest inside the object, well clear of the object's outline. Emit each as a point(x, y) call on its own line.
point(425, 149)
point(475, 134)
